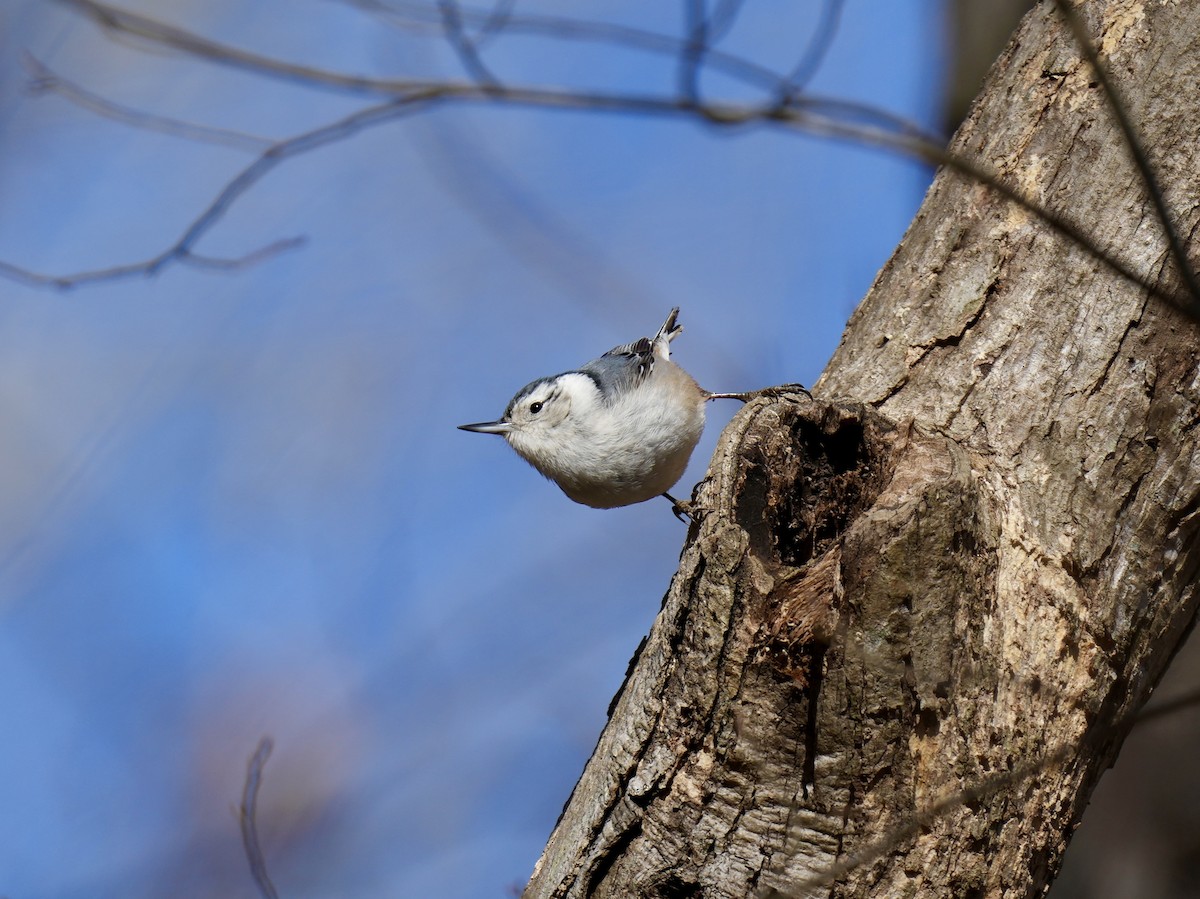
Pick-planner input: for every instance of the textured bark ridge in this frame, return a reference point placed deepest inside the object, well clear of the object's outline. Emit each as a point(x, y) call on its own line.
point(912, 627)
point(768, 720)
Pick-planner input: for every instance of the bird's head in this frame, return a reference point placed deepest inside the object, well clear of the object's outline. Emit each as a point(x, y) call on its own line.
point(544, 417)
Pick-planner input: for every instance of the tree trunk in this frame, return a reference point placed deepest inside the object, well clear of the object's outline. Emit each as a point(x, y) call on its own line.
point(909, 633)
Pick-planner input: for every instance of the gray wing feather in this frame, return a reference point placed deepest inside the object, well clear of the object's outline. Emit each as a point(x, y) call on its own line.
point(620, 369)
point(625, 367)
point(669, 331)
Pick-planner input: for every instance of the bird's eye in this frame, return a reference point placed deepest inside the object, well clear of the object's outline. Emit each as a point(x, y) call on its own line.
point(535, 408)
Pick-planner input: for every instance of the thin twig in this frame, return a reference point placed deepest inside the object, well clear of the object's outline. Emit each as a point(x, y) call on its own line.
point(560, 28)
point(717, 114)
point(815, 53)
point(122, 22)
point(181, 249)
point(157, 32)
point(691, 54)
point(247, 817)
point(150, 267)
point(251, 259)
point(1169, 707)
point(464, 47)
point(160, 33)
point(496, 22)
point(414, 16)
point(799, 115)
point(44, 80)
point(722, 20)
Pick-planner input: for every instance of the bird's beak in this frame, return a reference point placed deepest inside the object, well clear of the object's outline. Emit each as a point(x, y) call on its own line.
point(488, 427)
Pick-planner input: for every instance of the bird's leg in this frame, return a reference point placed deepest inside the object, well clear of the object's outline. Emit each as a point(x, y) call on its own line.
point(684, 510)
point(781, 390)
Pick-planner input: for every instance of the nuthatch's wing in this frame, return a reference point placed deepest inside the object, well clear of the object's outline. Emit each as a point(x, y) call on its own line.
point(625, 367)
point(622, 369)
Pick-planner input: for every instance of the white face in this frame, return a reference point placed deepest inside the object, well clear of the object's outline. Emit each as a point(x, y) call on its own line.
point(538, 408)
point(547, 421)
point(545, 417)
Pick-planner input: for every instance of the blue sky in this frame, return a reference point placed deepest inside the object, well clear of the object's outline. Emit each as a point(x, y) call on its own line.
point(236, 504)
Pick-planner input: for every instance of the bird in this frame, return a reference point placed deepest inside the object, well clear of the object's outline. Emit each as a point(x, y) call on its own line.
point(618, 430)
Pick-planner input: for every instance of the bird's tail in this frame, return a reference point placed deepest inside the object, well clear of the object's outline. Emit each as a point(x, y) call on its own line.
point(668, 332)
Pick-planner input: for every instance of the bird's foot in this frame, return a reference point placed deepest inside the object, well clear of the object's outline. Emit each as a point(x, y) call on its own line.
point(780, 390)
point(685, 510)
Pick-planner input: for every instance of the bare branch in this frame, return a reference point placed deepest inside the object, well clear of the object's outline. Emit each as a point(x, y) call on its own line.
point(802, 114)
point(1169, 707)
point(149, 267)
point(225, 264)
point(310, 140)
point(751, 73)
point(717, 114)
point(467, 52)
point(724, 17)
point(815, 52)
point(181, 250)
point(497, 21)
point(43, 80)
point(789, 95)
point(247, 817)
point(418, 15)
point(691, 55)
point(393, 16)
point(121, 22)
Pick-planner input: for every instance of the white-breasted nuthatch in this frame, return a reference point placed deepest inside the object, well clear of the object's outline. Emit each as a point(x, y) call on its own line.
point(616, 431)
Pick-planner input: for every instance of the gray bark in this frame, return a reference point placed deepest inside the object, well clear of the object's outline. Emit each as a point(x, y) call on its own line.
point(911, 627)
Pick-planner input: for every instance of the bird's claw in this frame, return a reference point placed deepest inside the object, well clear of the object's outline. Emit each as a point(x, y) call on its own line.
point(779, 390)
point(784, 390)
point(684, 510)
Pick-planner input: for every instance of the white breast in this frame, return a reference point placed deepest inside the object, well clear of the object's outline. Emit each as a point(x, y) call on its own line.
point(634, 449)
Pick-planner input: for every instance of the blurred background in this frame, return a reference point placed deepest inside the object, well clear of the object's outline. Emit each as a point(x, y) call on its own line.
point(234, 503)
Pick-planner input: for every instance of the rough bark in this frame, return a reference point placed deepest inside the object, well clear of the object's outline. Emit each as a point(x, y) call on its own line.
point(909, 632)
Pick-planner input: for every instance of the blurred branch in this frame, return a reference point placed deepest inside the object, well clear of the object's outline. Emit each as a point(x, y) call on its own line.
point(691, 55)
point(721, 22)
point(821, 117)
point(423, 95)
point(178, 252)
point(181, 250)
point(421, 18)
point(496, 22)
point(815, 52)
point(247, 816)
point(1169, 707)
point(224, 264)
point(43, 80)
point(468, 53)
point(119, 21)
